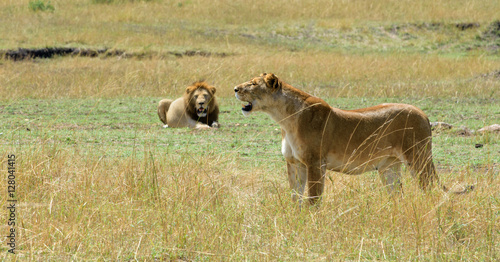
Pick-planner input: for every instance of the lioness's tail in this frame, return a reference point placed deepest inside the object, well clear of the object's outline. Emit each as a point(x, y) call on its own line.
point(428, 176)
point(465, 190)
point(163, 107)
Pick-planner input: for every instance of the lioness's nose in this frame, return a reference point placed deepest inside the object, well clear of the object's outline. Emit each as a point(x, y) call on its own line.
point(236, 89)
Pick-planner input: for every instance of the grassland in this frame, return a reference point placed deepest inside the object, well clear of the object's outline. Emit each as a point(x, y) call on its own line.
point(99, 179)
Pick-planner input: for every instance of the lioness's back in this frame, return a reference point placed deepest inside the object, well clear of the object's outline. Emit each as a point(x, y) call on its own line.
point(396, 128)
point(408, 115)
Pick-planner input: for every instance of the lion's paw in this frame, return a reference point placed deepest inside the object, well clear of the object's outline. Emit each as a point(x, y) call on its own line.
point(202, 127)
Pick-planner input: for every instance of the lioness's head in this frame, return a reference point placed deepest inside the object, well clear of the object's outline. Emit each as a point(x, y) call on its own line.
point(257, 92)
point(200, 98)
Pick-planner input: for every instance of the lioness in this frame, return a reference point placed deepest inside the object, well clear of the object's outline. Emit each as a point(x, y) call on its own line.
point(197, 108)
point(316, 137)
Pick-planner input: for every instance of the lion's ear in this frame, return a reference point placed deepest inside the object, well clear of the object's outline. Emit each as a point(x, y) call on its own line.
point(272, 81)
point(212, 89)
point(189, 89)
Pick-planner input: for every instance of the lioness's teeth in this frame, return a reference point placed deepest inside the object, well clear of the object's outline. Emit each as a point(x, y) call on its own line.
point(247, 107)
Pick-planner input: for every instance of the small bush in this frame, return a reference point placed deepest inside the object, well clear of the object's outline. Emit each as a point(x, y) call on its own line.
point(39, 5)
point(102, 1)
point(117, 1)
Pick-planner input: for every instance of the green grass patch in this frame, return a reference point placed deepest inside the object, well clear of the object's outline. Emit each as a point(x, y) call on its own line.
point(40, 5)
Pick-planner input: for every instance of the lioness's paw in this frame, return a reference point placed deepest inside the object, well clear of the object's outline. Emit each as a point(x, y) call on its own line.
point(215, 125)
point(165, 126)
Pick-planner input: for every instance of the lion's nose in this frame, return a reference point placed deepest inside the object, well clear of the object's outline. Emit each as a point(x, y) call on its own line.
point(201, 103)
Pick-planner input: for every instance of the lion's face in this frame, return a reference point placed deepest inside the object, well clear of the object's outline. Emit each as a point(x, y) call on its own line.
point(200, 100)
point(256, 92)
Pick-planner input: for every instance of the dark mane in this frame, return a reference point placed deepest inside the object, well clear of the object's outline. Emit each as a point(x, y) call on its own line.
point(213, 113)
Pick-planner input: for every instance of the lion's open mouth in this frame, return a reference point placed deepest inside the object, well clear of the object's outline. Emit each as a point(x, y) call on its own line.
point(202, 111)
point(247, 107)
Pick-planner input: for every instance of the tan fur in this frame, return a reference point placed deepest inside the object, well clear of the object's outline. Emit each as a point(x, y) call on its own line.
point(197, 108)
point(316, 137)
point(163, 107)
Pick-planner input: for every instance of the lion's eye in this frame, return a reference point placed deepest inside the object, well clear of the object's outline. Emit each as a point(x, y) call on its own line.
point(196, 97)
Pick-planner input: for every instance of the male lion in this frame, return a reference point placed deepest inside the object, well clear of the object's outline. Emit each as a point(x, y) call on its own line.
point(316, 137)
point(197, 108)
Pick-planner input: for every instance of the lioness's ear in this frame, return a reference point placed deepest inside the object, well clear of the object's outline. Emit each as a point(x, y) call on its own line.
point(272, 81)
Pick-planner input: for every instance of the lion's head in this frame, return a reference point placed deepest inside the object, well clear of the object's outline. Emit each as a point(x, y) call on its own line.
point(256, 91)
point(200, 99)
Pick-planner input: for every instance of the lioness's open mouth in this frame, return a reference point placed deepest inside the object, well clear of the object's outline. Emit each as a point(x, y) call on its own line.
point(247, 107)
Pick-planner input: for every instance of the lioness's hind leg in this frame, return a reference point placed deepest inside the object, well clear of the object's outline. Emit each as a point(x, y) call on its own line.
point(297, 179)
point(419, 161)
point(390, 174)
point(426, 174)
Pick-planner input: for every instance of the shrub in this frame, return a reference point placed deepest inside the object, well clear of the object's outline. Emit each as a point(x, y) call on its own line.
point(39, 5)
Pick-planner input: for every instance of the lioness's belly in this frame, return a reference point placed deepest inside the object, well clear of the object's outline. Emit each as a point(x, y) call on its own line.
point(349, 165)
point(353, 160)
point(353, 164)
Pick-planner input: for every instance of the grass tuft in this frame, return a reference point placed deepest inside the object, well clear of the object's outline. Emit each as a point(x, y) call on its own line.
point(39, 5)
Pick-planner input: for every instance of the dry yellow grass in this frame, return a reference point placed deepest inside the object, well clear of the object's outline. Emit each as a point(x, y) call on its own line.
point(324, 74)
point(78, 206)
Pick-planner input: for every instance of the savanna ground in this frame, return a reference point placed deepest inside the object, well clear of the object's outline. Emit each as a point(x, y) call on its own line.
point(97, 178)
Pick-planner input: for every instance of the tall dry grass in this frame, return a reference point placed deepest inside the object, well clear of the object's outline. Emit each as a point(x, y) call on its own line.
point(323, 74)
point(79, 206)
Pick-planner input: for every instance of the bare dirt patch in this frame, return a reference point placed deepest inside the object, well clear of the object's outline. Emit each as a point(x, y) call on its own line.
point(51, 52)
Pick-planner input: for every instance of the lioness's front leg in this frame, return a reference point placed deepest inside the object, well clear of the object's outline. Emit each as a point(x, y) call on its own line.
point(315, 181)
